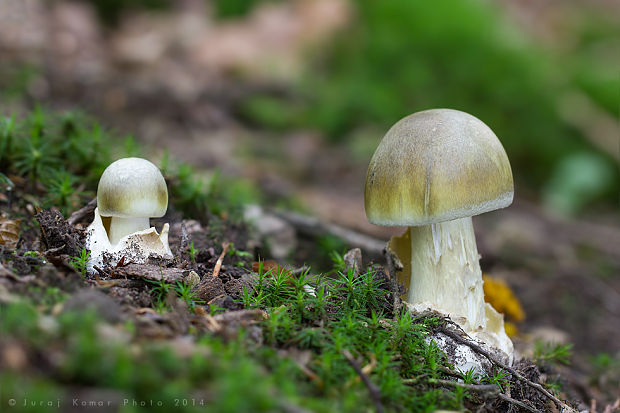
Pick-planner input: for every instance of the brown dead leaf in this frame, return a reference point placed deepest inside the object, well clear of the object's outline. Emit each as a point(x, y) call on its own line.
point(9, 232)
point(151, 272)
point(268, 265)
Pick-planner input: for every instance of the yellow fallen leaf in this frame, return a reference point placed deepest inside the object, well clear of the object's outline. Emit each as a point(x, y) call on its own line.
point(500, 296)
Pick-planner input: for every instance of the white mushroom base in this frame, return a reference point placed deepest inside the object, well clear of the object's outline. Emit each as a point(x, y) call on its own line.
point(494, 340)
point(441, 273)
point(463, 357)
point(136, 247)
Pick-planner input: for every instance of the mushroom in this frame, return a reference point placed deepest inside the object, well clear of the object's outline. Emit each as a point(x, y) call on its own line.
point(432, 172)
point(130, 192)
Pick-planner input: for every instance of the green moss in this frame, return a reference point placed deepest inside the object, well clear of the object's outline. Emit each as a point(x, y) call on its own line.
point(62, 155)
point(220, 370)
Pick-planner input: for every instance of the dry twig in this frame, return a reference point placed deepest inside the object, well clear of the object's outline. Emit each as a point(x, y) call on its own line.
point(218, 263)
point(314, 227)
point(78, 215)
point(372, 388)
point(504, 366)
point(488, 389)
point(517, 403)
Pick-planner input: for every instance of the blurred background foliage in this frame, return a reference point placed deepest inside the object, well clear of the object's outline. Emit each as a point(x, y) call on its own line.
point(401, 56)
point(396, 57)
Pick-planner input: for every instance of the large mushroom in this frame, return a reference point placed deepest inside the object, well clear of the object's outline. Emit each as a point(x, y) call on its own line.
point(432, 172)
point(130, 192)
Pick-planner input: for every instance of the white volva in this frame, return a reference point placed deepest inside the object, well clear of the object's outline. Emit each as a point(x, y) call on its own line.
point(130, 192)
point(136, 246)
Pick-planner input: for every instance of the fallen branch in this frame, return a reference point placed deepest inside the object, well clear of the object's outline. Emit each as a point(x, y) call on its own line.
point(151, 272)
point(312, 376)
point(518, 403)
point(488, 389)
point(53, 251)
point(375, 394)
point(515, 373)
point(314, 227)
point(78, 215)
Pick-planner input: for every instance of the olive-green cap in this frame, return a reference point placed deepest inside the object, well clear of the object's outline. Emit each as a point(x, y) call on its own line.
point(132, 187)
point(437, 165)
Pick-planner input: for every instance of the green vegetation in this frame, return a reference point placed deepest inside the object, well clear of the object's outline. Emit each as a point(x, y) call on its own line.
point(235, 8)
point(185, 293)
point(161, 289)
point(110, 11)
point(61, 157)
point(344, 316)
point(402, 56)
point(606, 372)
point(553, 353)
point(80, 263)
point(192, 252)
point(346, 313)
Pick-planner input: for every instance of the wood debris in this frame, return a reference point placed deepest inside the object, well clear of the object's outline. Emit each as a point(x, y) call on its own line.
point(220, 260)
point(151, 272)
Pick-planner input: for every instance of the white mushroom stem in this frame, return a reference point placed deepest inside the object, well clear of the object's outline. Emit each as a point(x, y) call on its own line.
point(120, 227)
point(445, 273)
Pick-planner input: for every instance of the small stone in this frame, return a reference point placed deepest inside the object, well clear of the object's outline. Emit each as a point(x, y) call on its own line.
point(192, 279)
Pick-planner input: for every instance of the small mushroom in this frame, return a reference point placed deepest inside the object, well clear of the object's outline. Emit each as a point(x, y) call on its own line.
point(432, 172)
point(130, 192)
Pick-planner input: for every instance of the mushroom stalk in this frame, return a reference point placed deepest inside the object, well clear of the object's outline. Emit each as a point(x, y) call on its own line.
point(445, 273)
point(120, 227)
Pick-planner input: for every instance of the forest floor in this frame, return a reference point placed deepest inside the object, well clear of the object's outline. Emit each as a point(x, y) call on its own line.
point(150, 79)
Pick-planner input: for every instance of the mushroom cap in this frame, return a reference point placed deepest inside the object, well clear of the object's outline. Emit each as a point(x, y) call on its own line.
point(132, 187)
point(437, 165)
